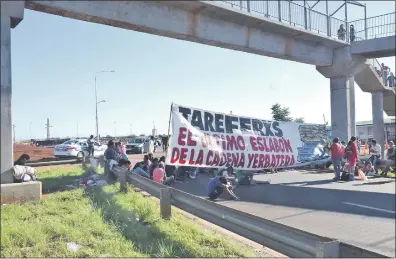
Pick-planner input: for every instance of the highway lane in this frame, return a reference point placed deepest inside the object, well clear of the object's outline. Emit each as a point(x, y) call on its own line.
point(360, 213)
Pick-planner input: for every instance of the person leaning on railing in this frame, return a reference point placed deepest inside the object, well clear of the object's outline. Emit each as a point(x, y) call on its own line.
point(341, 32)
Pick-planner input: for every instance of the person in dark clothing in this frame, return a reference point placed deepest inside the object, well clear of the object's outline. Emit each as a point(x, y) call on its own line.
point(90, 143)
point(111, 153)
point(22, 160)
point(352, 35)
point(165, 143)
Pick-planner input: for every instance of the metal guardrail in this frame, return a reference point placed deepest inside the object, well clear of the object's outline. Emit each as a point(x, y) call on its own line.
point(57, 162)
point(304, 17)
point(284, 239)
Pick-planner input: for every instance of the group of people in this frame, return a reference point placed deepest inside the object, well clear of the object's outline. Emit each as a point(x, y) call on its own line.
point(387, 75)
point(341, 33)
point(350, 152)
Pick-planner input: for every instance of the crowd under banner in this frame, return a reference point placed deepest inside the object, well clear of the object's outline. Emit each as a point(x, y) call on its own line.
point(202, 138)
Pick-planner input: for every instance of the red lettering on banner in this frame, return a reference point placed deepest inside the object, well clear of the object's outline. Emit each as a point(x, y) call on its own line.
point(250, 160)
point(231, 143)
point(277, 148)
point(183, 156)
point(223, 159)
point(261, 161)
point(241, 163)
point(204, 140)
point(191, 160)
point(281, 145)
point(175, 155)
point(253, 143)
point(208, 157)
point(216, 159)
point(190, 141)
point(182, 135)
point(271, 144)
point(287, 145)
point(265, 145)
point(200, 157)
point(267, 161)
point(241, 143)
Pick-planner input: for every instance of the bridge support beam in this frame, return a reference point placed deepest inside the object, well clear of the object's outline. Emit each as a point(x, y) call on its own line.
point(11, 15)
point(377, 99)
point(342, 88)
point(342, 96)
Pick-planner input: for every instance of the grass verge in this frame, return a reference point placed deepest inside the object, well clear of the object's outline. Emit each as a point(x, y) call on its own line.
point(43, 229)
point(105, 223)
point(138, 219)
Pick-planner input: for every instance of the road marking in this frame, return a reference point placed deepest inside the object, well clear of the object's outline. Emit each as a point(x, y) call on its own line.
point(368, 207)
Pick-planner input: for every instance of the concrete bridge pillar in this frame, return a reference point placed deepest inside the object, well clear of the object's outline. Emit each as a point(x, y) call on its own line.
point(11, 15)
point(377, 99)
point(342, 97)
point(342, 91)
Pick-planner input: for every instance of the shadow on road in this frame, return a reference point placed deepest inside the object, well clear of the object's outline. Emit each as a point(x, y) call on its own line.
point(305, 197)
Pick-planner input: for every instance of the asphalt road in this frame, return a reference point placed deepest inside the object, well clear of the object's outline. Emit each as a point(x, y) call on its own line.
point(359, 213)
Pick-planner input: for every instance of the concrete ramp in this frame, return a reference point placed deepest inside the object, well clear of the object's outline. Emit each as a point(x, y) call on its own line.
point(375, 48)
point(369, 81)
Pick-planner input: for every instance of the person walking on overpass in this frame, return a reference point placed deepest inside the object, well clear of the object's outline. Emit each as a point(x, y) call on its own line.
point(337, 153)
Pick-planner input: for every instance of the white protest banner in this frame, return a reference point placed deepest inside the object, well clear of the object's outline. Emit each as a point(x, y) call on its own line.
point(209, 139)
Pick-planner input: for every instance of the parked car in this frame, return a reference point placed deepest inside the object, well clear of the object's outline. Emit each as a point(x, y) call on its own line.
point(136, 145)
point(77, 148)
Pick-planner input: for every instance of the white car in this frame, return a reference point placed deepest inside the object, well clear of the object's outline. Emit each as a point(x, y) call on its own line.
point(77, 148)
point(136, 145)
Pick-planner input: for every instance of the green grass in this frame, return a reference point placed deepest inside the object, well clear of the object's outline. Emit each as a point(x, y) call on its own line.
point(104, 222)
point(45, 228)
point(138, 218)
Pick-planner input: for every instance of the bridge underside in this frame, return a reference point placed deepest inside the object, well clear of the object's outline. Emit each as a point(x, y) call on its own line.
point(199, 22)
point(375, 48)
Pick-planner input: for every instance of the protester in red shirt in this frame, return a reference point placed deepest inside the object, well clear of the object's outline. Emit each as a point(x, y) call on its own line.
point(337, 153)
point(352, 155)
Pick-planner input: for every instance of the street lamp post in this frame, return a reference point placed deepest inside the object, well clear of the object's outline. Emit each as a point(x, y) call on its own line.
point(96, 101)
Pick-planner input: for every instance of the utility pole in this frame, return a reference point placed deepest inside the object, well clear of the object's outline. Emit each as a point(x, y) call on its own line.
point(115, 128)
point(48, 126)
point(13, 130)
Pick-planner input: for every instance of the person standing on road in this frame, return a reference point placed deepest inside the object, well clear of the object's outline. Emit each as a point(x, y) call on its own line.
point(352, 157)
point(337, 153)
point(90, 143)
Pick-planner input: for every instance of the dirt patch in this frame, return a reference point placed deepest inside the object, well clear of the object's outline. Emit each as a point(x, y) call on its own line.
point(35, 153)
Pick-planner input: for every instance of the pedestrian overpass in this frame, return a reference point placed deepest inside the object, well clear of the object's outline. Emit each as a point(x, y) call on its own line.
point(279, 29)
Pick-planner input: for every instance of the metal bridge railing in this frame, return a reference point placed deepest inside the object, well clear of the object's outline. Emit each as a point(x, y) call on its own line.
point(387, 77)
point(375, 27)
point(306, 18)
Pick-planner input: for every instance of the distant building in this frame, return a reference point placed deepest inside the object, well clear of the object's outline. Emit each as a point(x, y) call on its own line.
point(364, 130)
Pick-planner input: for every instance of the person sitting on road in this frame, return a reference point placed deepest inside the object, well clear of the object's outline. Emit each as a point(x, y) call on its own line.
point(153, 165)
point(23, 174)
point(111, 155)
point(22, 160)
point(391, 152)
point(146, 163)
point(218, 186)
point(159, 175)
point(137, 169)
point(243, 177)
point(369, 169)
point(375, 152)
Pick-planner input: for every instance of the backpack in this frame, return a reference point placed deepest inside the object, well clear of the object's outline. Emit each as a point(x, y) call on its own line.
point(344, 177)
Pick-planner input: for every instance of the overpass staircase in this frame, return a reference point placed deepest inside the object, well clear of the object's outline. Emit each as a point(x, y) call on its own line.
point(370, 80)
